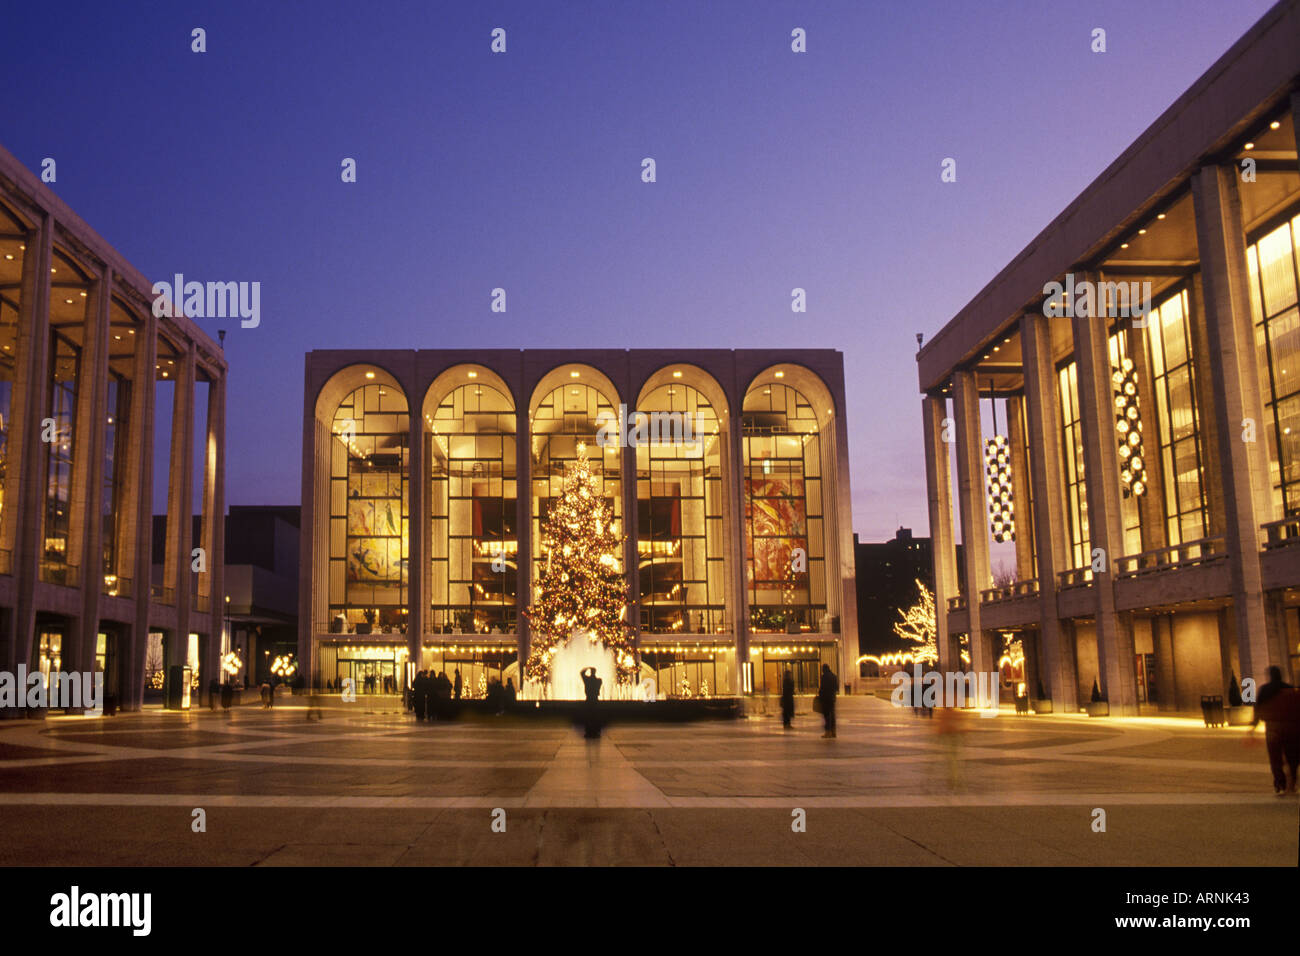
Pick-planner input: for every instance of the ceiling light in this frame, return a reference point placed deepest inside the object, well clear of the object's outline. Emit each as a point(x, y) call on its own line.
point(68, 301)
point(370, 375)
point(780, 374)
point(1123, 245)
point(677, 374)
point(1161, 216)
point(473, 374)
point(1142, 232)
point(1249, 146)
point(1274, 125)
point(83, 295)
point(9, 255)
point(573, 375)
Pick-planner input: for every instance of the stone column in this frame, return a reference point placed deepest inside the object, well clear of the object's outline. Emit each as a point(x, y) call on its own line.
point(1050, 530)
point(974, 513)
point(1206, 418)
point(734, 551)
point(140, 500)
point(30, 400)
point(86, 524)
point(214, 530)
point(627, 481)
point(523, 529)
point(840, 545)
point(1239, 397)
point(417, 564)
point(939, 433)
point(1115, 650)
point(177, 571)
point(308, 580)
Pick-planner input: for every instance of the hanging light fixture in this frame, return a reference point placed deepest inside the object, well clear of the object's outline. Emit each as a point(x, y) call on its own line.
point(1128, 426)
point(997, 473)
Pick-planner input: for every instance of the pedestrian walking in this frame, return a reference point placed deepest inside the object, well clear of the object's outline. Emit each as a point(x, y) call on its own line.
point(826, 692)
point(1278, 705)
point(787, 698)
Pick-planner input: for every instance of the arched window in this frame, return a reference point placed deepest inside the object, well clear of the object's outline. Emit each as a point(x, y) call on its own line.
point(784, 537)
point(369, 510)
point(472, 491)
point(679, 515)
point(566, 417)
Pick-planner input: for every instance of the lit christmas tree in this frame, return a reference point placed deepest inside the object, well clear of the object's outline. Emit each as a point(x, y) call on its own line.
point(581, 590)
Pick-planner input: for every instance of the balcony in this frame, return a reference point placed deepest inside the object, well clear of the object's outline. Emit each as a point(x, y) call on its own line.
point(1016, 589)
point(163, 595)
point(1281, 534)
point(1074, 578)
point(115, 586)
point(56, 572)
point(1186, 555)
point(957, 603)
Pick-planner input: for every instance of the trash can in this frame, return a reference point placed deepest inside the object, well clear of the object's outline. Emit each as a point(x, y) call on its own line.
point(110, 705)
point(1212, 710)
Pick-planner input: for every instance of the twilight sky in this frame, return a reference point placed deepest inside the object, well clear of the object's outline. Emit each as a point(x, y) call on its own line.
point(522, 170)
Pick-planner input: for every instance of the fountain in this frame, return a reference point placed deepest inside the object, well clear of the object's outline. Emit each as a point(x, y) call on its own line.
point(581, 651)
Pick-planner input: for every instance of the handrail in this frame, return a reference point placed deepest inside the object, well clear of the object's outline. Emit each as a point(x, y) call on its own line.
point(1188, 554)
point(1075, 578)
point(1009, 592)
point(1279, 534)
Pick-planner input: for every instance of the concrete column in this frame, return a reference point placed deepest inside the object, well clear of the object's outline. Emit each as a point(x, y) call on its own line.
point(974, 513)
point(1115, 651)
point(840, 545)
point(214, 529)
point(30, 399)
point(177, 571)
point(308, 580)
point(1050, 530)
point(627, 476)
point(417, 564)
point(938, 481)
point(735, 554)
point(86, 526)
point(523, 529)
point(1026, 566)
point(1239, 396)
point(139, 496)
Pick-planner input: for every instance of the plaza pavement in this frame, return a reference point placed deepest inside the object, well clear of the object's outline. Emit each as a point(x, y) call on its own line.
point(367, 785)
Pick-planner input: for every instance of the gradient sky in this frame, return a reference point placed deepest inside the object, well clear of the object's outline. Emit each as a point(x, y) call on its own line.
point(522, 170)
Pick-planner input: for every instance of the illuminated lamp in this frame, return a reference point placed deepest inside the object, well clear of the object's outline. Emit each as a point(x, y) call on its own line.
point(1128, 426)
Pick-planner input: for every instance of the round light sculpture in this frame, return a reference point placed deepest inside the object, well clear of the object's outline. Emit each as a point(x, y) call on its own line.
point(997, 470)
point(1128, 426)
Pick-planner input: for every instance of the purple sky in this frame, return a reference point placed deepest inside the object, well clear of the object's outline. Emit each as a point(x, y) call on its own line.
point(522, 170)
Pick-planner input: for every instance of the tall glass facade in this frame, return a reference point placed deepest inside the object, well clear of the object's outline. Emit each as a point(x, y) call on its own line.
point(785, 560)
point(369, 512)
point(1274, 293)
point(679, 520)
point(1076, 494)
point(473, 544)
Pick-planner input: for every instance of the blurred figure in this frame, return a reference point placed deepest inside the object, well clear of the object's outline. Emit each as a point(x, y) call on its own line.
point(1278, 705)
point(457, 685)
point(826, 693)
point(591, 687)
point(948, 726)
point(510, 695)
point(787, 698)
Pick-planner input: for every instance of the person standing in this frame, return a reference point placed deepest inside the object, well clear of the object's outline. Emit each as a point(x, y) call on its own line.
point(787, 698)
point(591, 686)
point(458, 684)
point(1279, 711)
point(830, 687)
point(510, 695)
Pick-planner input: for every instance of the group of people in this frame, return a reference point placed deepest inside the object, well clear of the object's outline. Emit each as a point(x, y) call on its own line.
point(431, 694)
point(827, 691)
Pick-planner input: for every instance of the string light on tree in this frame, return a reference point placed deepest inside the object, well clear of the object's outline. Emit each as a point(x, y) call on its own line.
point(581, 591)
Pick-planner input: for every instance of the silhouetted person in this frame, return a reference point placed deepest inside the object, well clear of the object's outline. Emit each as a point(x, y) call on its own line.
point(458, 684)
point(420, 694)
point(830, 686)
point(787, 698)
point(591, 686)
point(1278, 705)
point(510, 695)
point(441, 696)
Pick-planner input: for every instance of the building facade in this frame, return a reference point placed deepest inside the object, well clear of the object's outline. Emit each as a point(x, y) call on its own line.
point(427, 476)
point(1139, 363)
point(83, 360)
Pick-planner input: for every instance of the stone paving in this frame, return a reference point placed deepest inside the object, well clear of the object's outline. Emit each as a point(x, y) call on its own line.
point(368, 785)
